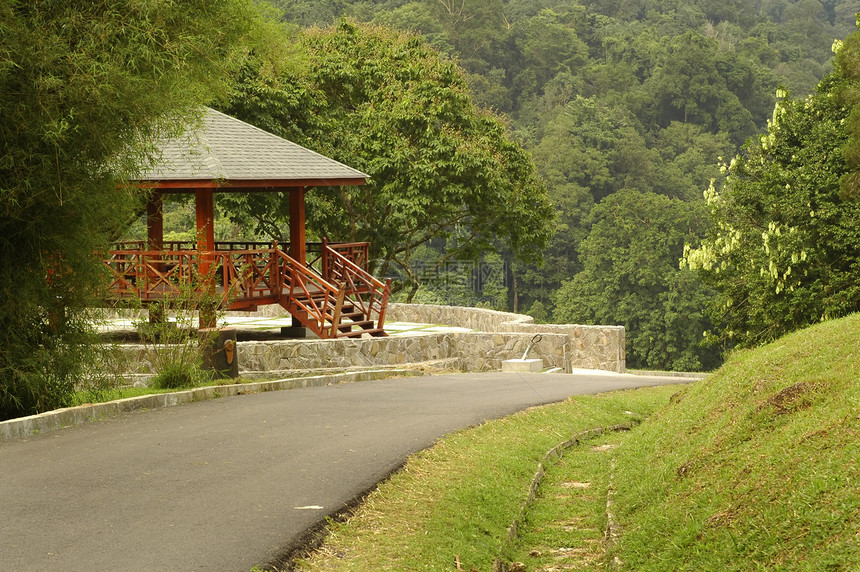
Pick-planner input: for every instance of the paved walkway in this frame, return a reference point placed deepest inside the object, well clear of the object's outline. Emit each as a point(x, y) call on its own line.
point(225, 484)
point(268, 323)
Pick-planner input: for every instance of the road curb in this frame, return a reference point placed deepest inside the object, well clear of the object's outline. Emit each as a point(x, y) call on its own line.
point(52, 420)
point(694, 375)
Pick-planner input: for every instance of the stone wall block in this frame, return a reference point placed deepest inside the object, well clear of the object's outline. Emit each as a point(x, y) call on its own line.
point(497, 336)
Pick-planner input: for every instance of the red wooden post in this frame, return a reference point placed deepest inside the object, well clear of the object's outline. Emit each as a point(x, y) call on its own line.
point(154, 222)
point(324, 259)
point(205, 207)
point(155, 239)
point(298, 247)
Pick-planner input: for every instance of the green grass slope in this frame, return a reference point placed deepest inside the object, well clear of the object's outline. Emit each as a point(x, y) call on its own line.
point(758, 467)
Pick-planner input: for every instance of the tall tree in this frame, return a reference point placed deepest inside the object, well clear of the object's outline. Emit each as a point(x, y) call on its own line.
point(784, 249)
point(83, 88)
point(389, 105)
point(469, 24)
point(692, 85)
point(847, 60)
point(549, 46)
point(631, 278)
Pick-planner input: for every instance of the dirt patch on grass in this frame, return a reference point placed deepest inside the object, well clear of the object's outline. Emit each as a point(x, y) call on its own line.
point(792, 398)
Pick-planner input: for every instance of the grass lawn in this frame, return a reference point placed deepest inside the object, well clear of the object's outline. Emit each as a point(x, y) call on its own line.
point(454, 501)
point(755, 468)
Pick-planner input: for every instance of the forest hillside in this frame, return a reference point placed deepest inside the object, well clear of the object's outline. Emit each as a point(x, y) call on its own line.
point(631, 111)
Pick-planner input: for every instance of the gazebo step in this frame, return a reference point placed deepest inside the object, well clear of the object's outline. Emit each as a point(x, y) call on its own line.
point(375, 332)
point(348, 326)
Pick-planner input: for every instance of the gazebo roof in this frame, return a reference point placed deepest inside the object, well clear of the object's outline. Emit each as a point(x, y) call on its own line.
point(226, 152)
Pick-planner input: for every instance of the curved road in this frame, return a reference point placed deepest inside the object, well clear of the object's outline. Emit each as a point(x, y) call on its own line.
point(225, 484)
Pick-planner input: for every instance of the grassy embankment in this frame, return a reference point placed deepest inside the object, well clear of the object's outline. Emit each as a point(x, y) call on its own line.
point(754, 468)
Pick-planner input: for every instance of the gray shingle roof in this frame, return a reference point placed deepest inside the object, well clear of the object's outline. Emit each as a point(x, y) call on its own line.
point(227, 149)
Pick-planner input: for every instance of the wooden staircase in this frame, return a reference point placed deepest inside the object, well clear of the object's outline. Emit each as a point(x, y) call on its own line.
point(344, 301)
point(342, 318)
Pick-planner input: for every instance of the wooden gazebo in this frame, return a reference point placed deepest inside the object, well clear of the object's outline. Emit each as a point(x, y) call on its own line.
point(325, 287)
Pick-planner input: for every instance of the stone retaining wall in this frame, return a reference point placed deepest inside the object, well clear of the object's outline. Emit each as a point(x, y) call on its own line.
point(589, 347)
point(499, 336)
point(467, 351)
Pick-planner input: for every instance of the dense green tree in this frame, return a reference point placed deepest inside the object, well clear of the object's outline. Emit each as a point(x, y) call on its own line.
point(469, 24)
point(417, 18)
point(491, 38)
point(640, 95)
point(317, 12)
point(848, 64)
point(582, 144)
point(736, 11)
point(576, 159)
point(630, 277)
point(549, 46)
point(590, 151)
point(389, 105)
point(688, 156)
point(693, 83)
point(83, 88)
point(844, 14)
point(784, 250)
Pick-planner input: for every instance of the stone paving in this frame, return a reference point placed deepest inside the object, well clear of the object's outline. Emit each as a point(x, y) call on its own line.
point(267, 323)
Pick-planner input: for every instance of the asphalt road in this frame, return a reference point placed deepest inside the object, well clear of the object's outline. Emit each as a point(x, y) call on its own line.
point(225, 484)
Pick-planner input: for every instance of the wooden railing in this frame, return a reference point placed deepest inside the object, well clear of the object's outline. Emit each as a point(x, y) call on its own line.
point(249, 277)
point(367, 292)
point(313, 300)
point(149, 275)
point(357, 252)
point(242, 279)
point(188, 245)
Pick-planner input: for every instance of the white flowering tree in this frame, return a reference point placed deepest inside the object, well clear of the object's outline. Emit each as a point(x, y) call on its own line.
point(783, 251)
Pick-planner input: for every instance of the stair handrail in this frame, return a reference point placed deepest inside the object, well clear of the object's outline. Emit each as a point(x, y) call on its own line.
point(327, 323)
point(378, 291)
